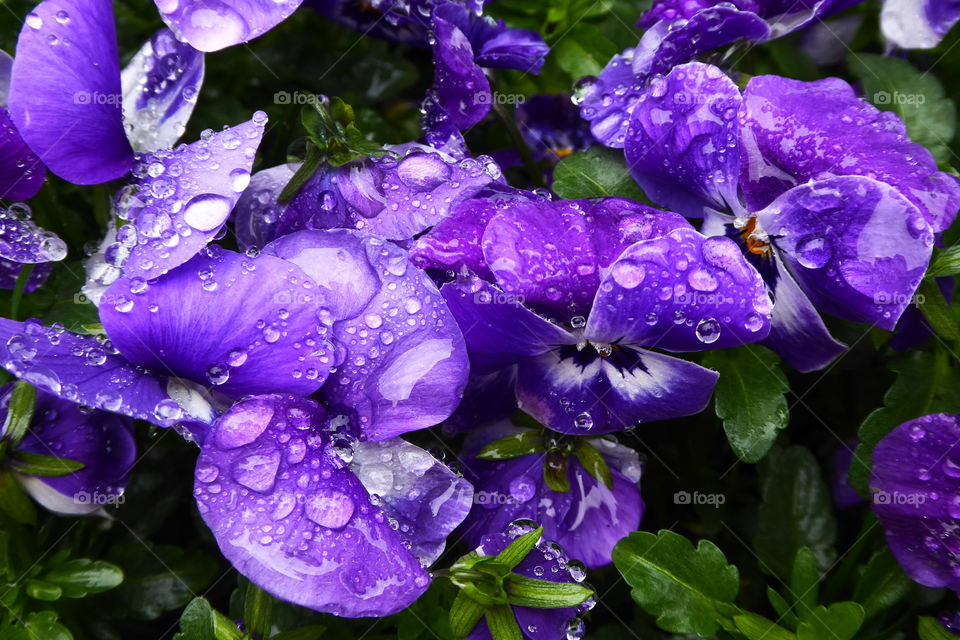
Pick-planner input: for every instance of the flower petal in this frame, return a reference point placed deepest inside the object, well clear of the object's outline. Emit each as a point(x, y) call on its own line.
point(608, 100)
point(403, 364)
point(579, 393)
point(682, 142)
point(65, 95)
point(160, 88)
point(856, 246)
point(257, 213)
point(802, 131)
point(291, 517)
point(21, 172)
point(918, 24)
point(211, 25)
point(22, 241)
point(697, 293)
point(461, 86)
point(244, 325)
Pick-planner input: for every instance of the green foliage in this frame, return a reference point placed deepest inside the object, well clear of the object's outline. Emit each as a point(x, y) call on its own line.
point(597, 172)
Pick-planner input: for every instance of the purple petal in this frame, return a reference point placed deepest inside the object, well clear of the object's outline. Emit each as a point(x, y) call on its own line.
point(682, 142)
point(257, 213)
point(698, 293)
point(915, 483)
point(487, 398)
point(578, 392)
point(425, 498)
point(918, 24)
point(608, 100)
point(22, 241)
point(403, 363)
point(86, 371)
point(462, 88)
point(291, 517)
point(10, 271)
point(103, 442)
point(552, 127)
point(160, 88)
point(856, 246)
point(498, 329)
point(244, 325)
point(798, 131)
point(797, 332)
point(495, 45)
point(319, 203)
point(65, 95)
point(181, 199)
point(211, 25)
point(21, 173)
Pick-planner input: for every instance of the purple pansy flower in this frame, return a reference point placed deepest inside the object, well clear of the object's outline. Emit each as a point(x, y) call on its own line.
point(341, 526)
point(546, 561)
point(825, 194)
point(915, 483)
point(587, 521)
point(677, 31)
point(103, 442)
point(21, 172)
point(918, 24)
point(211, 25)
point(557, 293)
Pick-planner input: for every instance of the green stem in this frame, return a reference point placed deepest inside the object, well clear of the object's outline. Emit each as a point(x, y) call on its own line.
point(18, 290)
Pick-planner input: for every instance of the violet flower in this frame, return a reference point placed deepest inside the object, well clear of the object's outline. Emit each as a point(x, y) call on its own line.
point(826, 195)
point(21, 172)
point(557, 294)
point(211, 26)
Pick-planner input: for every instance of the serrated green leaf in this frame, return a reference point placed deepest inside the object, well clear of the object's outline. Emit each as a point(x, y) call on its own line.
point(14, 501)
point(517, 550)
point(893, 84)
point(881, 585)
point(929, 629)
point(518, 444)
point(749, 398)
point(464, 615)
point(595, 173)
point(796, 512)
point(35, 464)
point(19, 412)
point(82, 577)
point(839, 621)
point(544, 594)
point(756, 627)
point(593, 462)
point(925, 383)
point(502, 624)
point(689, 590)
point(805, 580)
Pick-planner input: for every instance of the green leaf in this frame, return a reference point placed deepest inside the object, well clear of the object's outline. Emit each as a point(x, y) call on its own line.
point(689, 590)
point(583, 51)
point(593, 462)
point(544, 594)
point(519, 444)
point(40, 590)
point(42, 625)
point(893, 84)
point(464, 615)
point(555, 472)
point(759, 628)
point(158, 579)
point(257, 605)
point(925, 383)
point(796, 512)
point(839, 621)
point(14, 501)
point(311, 162)
point(782, 607)
point(35, 464)
point(881, 585)
point(936, 310)
point(200, 621)
point(19, 412)
point(595, 173)
point(945, 263)
point(310, 632)
point(805, 580)
point(749, 398)
point(502, 624)
point(517, 550)
point(929, 629)
point(82, 577)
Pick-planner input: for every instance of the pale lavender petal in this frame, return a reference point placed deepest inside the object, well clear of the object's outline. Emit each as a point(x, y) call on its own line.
point(918, 24)
point(65, 95)
point(211, 25)
point(160, 87)
point(243, 325)
point(290, 515)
